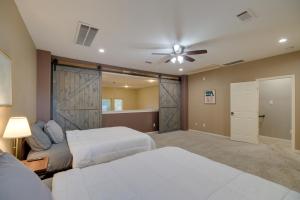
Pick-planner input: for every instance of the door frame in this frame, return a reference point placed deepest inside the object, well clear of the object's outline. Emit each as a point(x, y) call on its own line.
point(293, 113)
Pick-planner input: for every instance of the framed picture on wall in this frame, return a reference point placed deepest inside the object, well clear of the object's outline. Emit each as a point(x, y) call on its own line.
point(5, 80)
point(210, 96)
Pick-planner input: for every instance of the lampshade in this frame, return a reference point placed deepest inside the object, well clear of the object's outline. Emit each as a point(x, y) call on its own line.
point(17, 127)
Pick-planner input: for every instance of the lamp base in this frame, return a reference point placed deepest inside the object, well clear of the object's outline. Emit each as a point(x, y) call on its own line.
point(16, 147)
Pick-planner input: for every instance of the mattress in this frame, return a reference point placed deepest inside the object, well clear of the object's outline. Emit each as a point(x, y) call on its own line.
point(168, 173)
point(95, 146)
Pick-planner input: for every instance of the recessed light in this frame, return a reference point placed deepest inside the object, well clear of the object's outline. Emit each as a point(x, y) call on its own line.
point(180, 69)
point(283, 40)
point(151, 81)
point(126, 86)
point(101, 50)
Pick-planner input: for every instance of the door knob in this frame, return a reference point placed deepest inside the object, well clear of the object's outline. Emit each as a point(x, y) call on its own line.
point(231, 113)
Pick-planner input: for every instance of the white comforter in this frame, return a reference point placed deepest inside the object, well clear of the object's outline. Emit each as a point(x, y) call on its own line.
point(165, 174)
point(95, 146)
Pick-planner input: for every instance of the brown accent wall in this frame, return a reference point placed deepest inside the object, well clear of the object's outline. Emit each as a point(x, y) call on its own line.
point(184, 102)
point(141, 121)
point(16, 42)
point(43, 99)
point(110, 68)
point(216, 117)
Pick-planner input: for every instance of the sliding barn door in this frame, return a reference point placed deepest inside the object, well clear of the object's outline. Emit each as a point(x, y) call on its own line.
point(169, 105)
point(76, 98)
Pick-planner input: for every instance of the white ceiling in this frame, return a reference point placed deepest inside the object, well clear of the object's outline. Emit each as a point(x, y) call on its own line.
point(130, 30)
point(133, 82)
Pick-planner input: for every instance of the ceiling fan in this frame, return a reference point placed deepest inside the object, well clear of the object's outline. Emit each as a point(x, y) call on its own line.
point(179, 55)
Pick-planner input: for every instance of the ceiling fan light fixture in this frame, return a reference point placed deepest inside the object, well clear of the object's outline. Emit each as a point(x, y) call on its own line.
point(177, 48)
point(180, 59)
point(173, 60)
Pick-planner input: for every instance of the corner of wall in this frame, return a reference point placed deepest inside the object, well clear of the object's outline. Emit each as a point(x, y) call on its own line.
point(16, 42)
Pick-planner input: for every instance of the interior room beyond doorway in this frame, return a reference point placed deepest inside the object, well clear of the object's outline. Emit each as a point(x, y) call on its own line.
point(276, 108)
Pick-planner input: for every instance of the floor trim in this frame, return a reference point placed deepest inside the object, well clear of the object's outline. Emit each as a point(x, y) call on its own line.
point(151, 132)
point(208, 133)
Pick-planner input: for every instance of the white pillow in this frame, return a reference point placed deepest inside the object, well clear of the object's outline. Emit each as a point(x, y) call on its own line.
point(54, 131)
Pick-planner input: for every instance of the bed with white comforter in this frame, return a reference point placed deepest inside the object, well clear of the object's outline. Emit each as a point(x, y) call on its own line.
point(165, 174)
point(95, 146)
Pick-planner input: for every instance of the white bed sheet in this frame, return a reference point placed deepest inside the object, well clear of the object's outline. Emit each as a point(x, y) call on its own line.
point(165, 174)
point(95, 146)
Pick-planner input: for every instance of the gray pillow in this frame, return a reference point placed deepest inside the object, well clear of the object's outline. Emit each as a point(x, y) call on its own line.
point(60, 157)
point(54, 131)
point(18, 182)
point(41, 124)
point(39, 140)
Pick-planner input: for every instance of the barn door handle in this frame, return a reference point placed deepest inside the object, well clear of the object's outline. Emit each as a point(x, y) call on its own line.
point(231, 113)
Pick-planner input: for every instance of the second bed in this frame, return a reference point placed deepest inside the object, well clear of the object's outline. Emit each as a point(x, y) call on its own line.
point(165, 174)
point(95, 146)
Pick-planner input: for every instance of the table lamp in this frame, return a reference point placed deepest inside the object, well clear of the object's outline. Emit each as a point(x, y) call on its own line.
point(16, 128)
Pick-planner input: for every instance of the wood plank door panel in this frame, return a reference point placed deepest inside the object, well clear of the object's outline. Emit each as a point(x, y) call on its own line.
point(76, 98)
point(169, 105)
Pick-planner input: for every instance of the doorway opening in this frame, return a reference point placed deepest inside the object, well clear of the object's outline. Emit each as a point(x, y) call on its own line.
point(131, 101)
point(263, 109)
point(276, 108)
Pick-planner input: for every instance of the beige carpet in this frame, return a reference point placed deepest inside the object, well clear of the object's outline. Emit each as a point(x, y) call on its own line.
point(273, 161)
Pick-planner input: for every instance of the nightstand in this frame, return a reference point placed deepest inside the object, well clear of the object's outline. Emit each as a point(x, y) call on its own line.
point(37, 166)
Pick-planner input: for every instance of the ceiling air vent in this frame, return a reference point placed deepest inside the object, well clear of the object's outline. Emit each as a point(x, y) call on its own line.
point(85, 34)
point(234, 62)
point(245, 16)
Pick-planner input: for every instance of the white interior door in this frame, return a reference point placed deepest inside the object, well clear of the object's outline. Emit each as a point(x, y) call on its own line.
point(244, 105)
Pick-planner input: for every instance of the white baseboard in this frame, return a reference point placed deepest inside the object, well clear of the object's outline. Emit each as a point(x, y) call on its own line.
point(208, 133)
point(152, 132)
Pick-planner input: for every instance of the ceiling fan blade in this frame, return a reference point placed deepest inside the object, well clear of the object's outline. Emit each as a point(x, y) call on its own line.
point(196, 52)
point(161, 54)
point(190, 59)
point(168, 60)
point(164, 59)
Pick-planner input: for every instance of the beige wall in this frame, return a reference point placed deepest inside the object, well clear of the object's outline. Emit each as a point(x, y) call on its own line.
point(216, 117)
point(16, 42)
point(129, 96)
point(133, 99)
point(148, 98)
point(275, 102)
